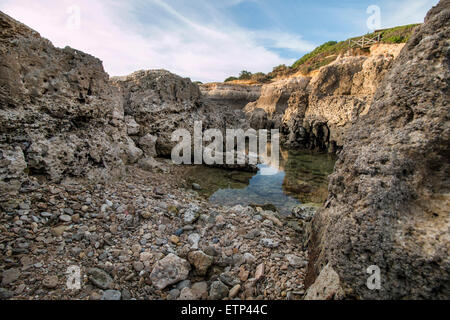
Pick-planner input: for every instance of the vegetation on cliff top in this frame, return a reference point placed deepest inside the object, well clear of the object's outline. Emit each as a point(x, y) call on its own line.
point(325, 54)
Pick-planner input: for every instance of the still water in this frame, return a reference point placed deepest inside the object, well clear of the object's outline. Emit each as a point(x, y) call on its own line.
point(302, 177)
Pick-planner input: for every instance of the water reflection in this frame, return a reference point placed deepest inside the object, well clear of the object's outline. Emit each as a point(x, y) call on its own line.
point(263, 188)
point(302, 177)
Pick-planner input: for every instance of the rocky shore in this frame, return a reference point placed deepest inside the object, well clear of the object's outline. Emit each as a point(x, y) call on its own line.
point(388, 203)
point(312, 111)
point(145, 236)
point(86, 184)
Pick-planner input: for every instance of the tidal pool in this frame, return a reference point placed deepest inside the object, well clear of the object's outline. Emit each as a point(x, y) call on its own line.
point(302, 177)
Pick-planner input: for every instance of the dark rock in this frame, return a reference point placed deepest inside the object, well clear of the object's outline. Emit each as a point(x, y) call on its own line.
point(388, 203)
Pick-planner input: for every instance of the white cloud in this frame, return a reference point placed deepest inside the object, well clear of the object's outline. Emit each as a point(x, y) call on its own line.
point(281, 40)
point(109, 30)
point(397, 13)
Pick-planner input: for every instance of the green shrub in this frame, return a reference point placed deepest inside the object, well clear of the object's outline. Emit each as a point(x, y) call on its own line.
point(395, 39)
point(259, 77)
point(328, 46)
point(230, 79)
point(245, 75)
point(327, 53)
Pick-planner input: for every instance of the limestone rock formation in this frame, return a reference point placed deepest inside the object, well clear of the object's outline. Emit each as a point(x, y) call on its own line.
point(159, 102)
point(58, 112)
point(273, 102)
point(390, 194)
point(316, 112)
point(231, 95)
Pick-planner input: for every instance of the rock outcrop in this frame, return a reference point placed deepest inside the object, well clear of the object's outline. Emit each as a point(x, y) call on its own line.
point(316, 112)
point(231, 95)
point(62, 116)
point(156, 103)
point(390, 194)
point(268, 110)
point(58, 113)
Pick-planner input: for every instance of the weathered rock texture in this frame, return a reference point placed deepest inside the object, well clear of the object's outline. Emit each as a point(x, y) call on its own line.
point(316, 112)
point(230, 95)
point(159, 102)
point(62, 116)
point(57, 111)
point(267, 111)
point(390, 194)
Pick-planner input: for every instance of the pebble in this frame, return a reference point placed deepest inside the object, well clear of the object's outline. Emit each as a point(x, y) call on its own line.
point(65, 218)
point(183, 284)
point(174, 239)
point(46, 214)
point(126, 295)
point(196, 186)
point(296, 261)
point(243, 274)
point(194, 239)
point(9, 276)
point(112, 295)
point(50, 282)
point(259, 273)
point(100, 278)
point(138, 266)
point(218, 291)
point(191, 214)
point(234, 291)
point(170, 270)
point(249, 258)
point(173, 294)
point(200, 261)
point(269, 243)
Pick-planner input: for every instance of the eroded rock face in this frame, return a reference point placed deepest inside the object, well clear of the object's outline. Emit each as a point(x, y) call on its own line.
point(160, 103)
point(267, 111)
point(390, 194)
point(230, 95)
point(12, 171)
point(57, 106)
point(343, 91)
point(316, 112)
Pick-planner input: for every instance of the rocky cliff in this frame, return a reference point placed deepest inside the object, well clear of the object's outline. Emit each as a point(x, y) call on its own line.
point(58, 114)
point(389, 196)
point(62, 116)
point(155, 103)
point(62, 119)
point(236, 96)
point(315, 112)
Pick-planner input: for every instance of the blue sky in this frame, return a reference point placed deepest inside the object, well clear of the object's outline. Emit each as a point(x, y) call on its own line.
point(206, 40)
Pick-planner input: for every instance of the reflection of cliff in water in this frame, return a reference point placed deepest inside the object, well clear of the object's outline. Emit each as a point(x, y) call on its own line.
point(307, 175)
point(300, 178)
point(261, 190)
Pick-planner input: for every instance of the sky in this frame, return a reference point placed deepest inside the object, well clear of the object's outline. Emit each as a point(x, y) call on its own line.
point(206, 40)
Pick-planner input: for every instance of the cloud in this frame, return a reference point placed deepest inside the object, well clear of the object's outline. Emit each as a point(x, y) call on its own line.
point(282, 40)
point(132, 35)
point(396, 13)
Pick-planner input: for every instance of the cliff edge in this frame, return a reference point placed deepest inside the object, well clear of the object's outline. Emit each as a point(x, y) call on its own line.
point(390, 194)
